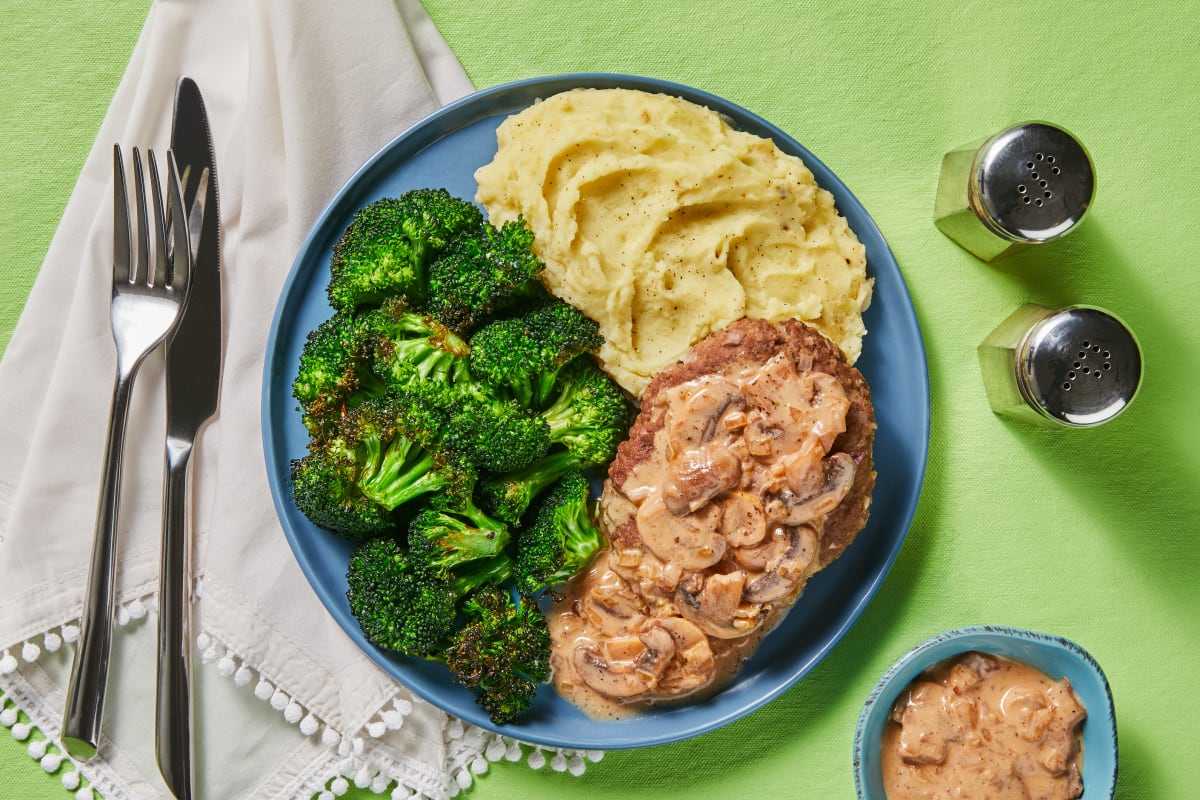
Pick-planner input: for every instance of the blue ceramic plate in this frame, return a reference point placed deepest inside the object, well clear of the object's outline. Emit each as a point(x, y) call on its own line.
point(445, 150)
point(1053, 655)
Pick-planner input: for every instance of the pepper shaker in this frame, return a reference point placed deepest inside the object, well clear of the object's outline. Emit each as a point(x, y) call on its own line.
point(1073, 367)
point(1027, 185)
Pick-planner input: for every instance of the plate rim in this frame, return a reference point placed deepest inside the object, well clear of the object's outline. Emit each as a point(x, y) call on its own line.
point(430, 129)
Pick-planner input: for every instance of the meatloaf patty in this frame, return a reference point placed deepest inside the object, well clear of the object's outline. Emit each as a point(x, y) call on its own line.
point(754, 341)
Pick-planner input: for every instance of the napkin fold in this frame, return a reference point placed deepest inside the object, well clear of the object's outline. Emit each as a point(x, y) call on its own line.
point(299, 95)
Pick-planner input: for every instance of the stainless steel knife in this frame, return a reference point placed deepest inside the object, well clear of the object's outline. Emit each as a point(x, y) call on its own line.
point(193, 365)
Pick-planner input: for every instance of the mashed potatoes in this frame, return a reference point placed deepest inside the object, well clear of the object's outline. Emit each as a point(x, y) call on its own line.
point(665, 224)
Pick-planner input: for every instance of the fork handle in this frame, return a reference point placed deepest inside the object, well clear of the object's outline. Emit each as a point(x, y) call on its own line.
point(89, 670)
point(173, 698)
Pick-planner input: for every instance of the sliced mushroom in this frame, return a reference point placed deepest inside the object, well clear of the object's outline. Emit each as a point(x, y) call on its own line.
point(789, 509)
point(611, 607)
point(761, 434)
point(716, 607)
point(765, 553)
point(696, 476)
point(600, 676)
point(802, 471)
point(648, 575)
point(624, 666)
point(695, 408)
point(743, 521)
point(693, 666)
point(786, 572)
point(623, 650)
point(825, 416)
point(616, 506)
point(691, 541)
point(659, 650)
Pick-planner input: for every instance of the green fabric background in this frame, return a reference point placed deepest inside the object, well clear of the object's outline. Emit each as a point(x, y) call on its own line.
point(1088, 534)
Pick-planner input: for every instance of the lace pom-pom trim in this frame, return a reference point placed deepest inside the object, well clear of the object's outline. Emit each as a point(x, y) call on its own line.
point(30, 651)
point(43, 737)
point(42, 749)
point(361, 758)
point(470, 749)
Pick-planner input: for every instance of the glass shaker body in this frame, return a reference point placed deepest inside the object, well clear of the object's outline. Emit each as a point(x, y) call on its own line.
point(1024, 186)
point(1073, 367)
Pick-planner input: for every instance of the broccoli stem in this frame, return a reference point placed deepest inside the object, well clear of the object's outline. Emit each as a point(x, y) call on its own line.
point(426, 361)
point(581, 538)
point(508, 496)
point(404, 472)
point(479, 518)
point(482, 572)
point(562, 416)
point(543, 387)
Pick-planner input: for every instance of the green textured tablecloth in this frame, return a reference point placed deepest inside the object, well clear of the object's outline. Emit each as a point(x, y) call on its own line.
point(1088, 534)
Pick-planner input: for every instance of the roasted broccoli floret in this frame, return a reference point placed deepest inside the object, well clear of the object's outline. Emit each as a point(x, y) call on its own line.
point(403, 605)
point(590, 414)
point(394, 466)
point(481, 273)
point(384, 454)
point(524, 354)
point(562, 539)
point(410, 347)
point(399, 606)
point(325, 491)
point(507, 496)
point(388, 246)
point(497, 435)
point(502, 652)
point(422, 361)
point(449, 532)
point(335, 372)
point(351, 358)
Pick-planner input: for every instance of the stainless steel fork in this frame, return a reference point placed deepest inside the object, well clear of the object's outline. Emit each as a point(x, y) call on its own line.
point(147, 296)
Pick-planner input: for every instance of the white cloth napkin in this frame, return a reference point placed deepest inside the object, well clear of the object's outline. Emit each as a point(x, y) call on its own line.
point(299, 94)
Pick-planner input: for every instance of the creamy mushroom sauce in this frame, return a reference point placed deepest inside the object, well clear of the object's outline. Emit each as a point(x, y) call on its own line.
point(728, 512)
point(984, 726)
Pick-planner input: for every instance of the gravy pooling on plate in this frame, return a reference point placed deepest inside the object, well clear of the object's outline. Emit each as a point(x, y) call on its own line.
point(664, 224)
point(984, 726)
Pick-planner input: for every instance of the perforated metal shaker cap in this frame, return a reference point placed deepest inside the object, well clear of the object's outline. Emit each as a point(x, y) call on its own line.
point(1032, 182)
point(1080, 366)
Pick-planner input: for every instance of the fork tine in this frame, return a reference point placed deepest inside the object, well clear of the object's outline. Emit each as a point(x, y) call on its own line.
point(196, 215)
point(161, 253)
point(184, 177)
point(120, 219)
point(181, 248)
point(139, 272)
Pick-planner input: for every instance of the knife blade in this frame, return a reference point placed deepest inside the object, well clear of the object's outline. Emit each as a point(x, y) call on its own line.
point(194, 357)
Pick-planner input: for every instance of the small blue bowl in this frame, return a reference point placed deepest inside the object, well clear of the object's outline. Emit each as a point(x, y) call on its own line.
point(1053, 655)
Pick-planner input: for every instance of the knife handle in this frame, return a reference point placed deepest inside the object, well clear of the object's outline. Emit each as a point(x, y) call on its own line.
point(89, 669)
point(173, 698)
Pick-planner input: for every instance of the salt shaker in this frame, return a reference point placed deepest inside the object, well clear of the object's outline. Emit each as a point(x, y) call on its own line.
point(1027, 185)
point(1073, 367)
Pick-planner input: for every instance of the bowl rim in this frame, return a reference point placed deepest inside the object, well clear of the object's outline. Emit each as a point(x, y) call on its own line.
point(920, 655)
